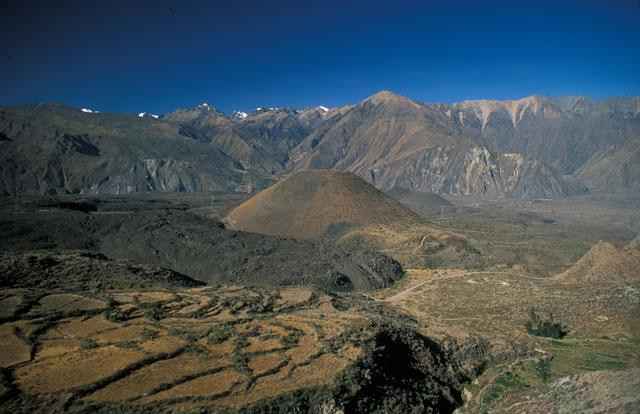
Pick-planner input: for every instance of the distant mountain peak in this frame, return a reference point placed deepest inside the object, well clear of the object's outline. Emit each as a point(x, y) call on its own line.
point(89, 111)
point(385, 96)
point(144, 114)
point(323, 108)
point(239, 115)
point(205, 107)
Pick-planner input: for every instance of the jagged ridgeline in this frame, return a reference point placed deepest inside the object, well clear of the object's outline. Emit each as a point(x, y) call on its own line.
point(532, 147)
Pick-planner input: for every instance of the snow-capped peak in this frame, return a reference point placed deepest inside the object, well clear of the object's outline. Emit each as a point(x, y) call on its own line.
point(323, 108)
point(143, 114)
point(89, 111)
point(204, 106)
point(271, 108)
point(239, 114)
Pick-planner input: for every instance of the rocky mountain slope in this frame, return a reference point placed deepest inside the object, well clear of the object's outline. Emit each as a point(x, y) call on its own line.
point(532, 147)
point(527, 148)
point(258, 141)
point(55, 149)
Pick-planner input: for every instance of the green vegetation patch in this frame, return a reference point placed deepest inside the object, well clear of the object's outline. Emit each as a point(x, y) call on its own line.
point(507, 382)
point(548, 328)
point(593, 361)
point(217, 334)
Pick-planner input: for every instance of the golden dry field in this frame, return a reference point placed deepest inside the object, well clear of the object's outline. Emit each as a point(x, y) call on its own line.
point(224, 347)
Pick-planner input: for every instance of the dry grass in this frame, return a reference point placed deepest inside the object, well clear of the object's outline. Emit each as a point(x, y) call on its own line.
point(208, 385)
point(153, 297)
point(55, 347)
point(295, 296)
point(14, 350)
point(164, 344)
point(162, 372)
point(69, 302)
point(172, 360)
point(9, 305)
point(127, 333)
point(74, 369)
point(494, 304)
point(319, 372)
point(79, 326)
point(261, 363)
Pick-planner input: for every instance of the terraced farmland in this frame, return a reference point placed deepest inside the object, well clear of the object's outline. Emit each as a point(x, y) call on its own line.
point(222, 348)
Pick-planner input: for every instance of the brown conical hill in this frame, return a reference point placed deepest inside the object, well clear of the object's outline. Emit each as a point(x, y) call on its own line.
point(603, 263)
point(319, 204)
point(634, 246)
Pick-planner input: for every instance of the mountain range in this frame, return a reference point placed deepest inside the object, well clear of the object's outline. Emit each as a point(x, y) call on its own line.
point(532, 147)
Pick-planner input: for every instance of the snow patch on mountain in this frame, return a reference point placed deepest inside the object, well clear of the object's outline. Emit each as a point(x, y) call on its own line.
point(143, 114)
point(89, 111)
point(239, 115)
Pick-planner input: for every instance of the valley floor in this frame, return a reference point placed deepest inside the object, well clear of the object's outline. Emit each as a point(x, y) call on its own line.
point(113, 347)
point(593, 369)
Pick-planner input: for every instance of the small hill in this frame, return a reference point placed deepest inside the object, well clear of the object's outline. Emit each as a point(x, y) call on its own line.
point(339, 206)
point(319, 204)
point(604, 263)
point(634, 246)
point(422, 202)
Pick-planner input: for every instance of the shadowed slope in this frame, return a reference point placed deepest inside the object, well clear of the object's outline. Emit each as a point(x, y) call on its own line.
point(424, 203)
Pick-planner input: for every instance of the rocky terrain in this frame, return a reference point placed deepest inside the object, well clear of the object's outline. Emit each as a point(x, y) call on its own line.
point(476, 147)
point(195, 246)
point(423, 203)
point(532, 147)
point(103, 308)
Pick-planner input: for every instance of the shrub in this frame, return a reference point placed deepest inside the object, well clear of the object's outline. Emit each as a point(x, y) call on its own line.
point(290, 339)
point(544, 369)
point(219, 333)
point(154, 312)
point(88, 344)
point(547, 328)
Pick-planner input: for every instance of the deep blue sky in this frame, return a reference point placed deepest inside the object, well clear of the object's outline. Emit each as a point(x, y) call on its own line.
point(156, 56)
